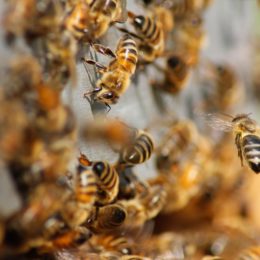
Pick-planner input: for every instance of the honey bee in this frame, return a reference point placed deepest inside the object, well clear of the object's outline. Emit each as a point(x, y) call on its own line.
point(246, 134)
point(30, 19)
point(144, 206)
point(107, 218)
point(115, 78)
point(228, 89)
point(139, 151)
point(59, 62)
point(91, 19)
point(112, 243)
point(189, 38)
point(150, 35)
point(177, 73)
point(177, 144)
point(108, 182)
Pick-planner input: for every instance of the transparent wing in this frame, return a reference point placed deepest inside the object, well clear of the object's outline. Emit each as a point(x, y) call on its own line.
point(216, 122)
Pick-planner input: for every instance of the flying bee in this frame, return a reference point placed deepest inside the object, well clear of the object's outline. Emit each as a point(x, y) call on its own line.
point(115, 78)
point(247, 139)
point(177, 73)
point(139, 151)
point(149, 35)
point(106, 218)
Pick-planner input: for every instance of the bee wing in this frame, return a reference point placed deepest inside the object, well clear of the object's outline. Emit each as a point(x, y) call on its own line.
point(217, 123)
point(123, 14)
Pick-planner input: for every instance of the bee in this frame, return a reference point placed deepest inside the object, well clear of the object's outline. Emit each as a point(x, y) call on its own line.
point(139, 151)
point(177, 73)
point(247, 138)
point(189, 38)
point(144, 206)
point(103, 13)
point(150, 35)
point(112, 243)
point(91, 19)
point(228, 88)
point(29, 19)
point(59, 62)
point(178, 143)
point(107, 218)
point(108, 182)
point(115, 78)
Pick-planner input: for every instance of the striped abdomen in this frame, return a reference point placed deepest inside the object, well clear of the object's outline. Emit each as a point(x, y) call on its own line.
point(85, 186)
point(139, 151)
point(108, 182)
point(251, 151)
point(127, 55)
point(107, 218)
point(251, 253)
point(149, 29)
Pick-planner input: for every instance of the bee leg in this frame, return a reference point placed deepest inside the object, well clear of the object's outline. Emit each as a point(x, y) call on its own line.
point(101, 68)
point(108, 108)
point(130, 33)
point(103, 50)
point(237, 141)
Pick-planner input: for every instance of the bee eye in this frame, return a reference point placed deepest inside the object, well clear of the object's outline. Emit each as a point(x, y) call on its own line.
point(173, 61)
point(139, 21)
point(108, 95)
point(98, 167)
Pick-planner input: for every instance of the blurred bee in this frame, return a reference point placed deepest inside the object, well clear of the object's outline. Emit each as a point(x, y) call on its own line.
point(189, 38)
point(177, 144)
point(177, 73)
point(247, 138)
point(227, 89)
point(112, 243)
point(60, 48)
point(31, 18)
point(139, 151)
point(107, 218)
point(150, 35)
point(91, 19)
point(42, 202)
point(115, 78)
point(77, 209)
point(144, 206)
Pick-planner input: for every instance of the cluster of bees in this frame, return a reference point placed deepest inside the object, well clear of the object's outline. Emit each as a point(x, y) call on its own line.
point(73, 207)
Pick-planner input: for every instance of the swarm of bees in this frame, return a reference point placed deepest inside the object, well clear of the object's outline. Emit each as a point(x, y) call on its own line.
point(76, 207)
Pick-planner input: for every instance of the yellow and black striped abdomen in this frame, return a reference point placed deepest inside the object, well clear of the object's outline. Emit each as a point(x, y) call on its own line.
point(85, 186)
point(149, 29)
point(108, 182)
point(251, 151)
point(139, 151)
point(127, 54)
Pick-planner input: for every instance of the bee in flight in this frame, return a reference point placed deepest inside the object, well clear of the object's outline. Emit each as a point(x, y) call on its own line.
point(247, 137)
